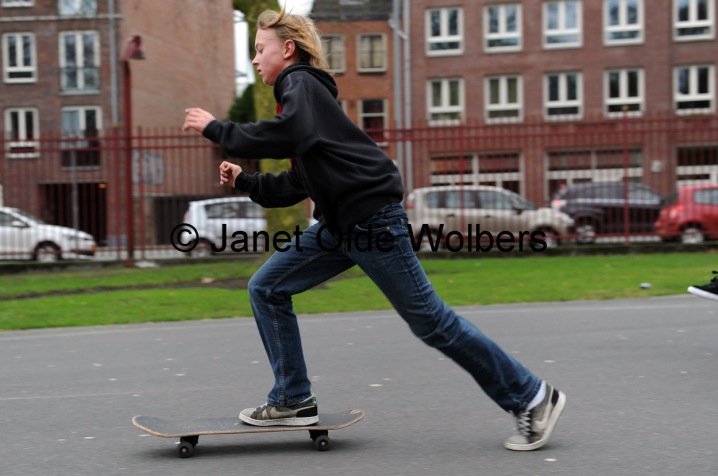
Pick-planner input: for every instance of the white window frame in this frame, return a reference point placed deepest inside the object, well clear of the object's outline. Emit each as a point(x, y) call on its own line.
point(624, 99)
point(9, 71)
point(503, 105)
point(693, 94)
point(503, 33)
point(623, 25)
point(22, 142)
point(383, 114)
point(81, 110)
point(79, 60)
point(337, 48)
point(562, 29)
point(563, 100)
point(361, 52)
point(445, 107)
point(78, 139)
point(444, 36)
point(17, 3)
point(693, 21)
point(76, 8)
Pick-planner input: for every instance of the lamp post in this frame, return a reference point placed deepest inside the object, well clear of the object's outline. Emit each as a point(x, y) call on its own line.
point(132, 51)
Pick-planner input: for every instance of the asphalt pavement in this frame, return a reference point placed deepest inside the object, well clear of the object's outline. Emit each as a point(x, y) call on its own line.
point(641, 377)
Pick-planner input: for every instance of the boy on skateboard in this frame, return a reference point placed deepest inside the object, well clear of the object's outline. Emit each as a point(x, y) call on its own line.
point(357, 191)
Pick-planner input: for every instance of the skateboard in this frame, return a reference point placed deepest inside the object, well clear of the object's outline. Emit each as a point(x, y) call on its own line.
point(190, 429)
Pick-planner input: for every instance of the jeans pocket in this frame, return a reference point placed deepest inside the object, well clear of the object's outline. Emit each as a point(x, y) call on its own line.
point(373, 237)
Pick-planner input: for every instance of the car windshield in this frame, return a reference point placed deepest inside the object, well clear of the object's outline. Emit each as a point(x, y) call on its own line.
point(672, 198)
point(526, 204)
point(28, 217)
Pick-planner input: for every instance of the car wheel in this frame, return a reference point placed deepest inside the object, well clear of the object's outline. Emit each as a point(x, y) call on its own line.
point(585, 232)
point(47, 252)
point(202, 250)
point(692, 235)
point(550, 237)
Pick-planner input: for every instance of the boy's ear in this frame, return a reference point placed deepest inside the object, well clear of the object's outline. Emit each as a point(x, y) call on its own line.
point(289, 49)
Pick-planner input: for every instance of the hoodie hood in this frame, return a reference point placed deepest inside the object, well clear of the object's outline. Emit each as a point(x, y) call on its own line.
point(322, 76)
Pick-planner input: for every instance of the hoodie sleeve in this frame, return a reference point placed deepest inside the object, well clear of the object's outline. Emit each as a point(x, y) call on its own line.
point(289, 134)
point(270, 190)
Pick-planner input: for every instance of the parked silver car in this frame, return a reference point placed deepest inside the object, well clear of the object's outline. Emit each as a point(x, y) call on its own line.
point(491, 209)
point(24, 236)
point(217, 219)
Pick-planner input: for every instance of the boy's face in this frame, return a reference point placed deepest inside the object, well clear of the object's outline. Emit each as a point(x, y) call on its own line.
point(272, 56)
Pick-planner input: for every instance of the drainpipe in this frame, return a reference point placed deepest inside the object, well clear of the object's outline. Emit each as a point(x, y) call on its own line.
point(407, 94)
point(396, 66)
point(114, 95)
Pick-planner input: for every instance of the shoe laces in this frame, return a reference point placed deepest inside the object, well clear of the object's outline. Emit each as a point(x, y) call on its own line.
point(523, 423)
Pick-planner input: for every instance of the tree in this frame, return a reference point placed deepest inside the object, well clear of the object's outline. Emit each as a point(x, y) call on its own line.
point(242, 109)
point(278, 219)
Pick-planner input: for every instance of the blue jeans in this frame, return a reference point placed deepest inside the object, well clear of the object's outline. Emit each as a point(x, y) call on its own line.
point(381, 247)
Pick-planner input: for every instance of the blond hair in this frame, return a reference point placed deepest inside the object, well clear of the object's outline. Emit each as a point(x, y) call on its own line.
point(301, 30)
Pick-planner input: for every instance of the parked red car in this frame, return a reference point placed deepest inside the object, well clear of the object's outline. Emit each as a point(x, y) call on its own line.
point(691, 215)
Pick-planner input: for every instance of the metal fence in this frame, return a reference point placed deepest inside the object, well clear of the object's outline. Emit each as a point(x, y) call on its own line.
point(598, 180)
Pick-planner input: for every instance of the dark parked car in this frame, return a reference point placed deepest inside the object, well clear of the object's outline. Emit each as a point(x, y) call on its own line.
point(691, 215)
point(599, 208)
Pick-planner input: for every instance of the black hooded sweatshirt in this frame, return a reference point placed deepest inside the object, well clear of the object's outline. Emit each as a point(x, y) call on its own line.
point(335, 163)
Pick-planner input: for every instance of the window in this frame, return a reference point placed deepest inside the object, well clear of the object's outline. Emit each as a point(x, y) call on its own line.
point(562, 95)
point(444, 31)
point(372, 53)
point(697, 164)
point(503, 98)
point(446, 101)
point(706, 196)
point(77, 7)
point(562, 24)
point(83, 124)
point(334, 51)
point(19, 58)
point(373, 118)
point(693, 20)
point(496, 200)
point(694, 89)
point(22, 132)
point(570, 166)
point(502, 24)
point(623, 20)
point(80, 61)
point(624, 91)
point(17, 3)
point(500, 169)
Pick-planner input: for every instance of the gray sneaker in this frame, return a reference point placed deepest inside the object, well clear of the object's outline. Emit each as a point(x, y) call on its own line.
point(301, 414)
point(535, 425)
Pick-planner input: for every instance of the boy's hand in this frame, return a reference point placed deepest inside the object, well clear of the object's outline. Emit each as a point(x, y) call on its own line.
point(228, 173)
point(196, 118)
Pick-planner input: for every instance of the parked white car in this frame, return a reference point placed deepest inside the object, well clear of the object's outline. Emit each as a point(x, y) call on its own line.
point(24, 236)
point(217, 219)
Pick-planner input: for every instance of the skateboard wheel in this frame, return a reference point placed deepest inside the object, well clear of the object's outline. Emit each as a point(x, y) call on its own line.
point(185, 449)
point(192, 440)
point(322, 443)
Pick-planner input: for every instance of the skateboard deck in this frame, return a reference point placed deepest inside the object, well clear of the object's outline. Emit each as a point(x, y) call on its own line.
point(190, 429)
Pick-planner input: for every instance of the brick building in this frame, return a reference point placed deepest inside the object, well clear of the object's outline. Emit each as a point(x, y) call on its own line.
point(359, 45)
point(530, 95)
point(564, 65)
point(63, 78)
